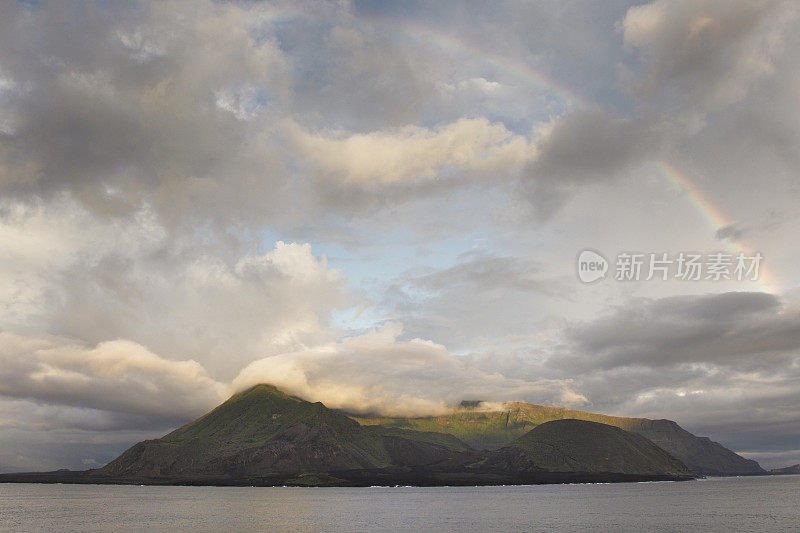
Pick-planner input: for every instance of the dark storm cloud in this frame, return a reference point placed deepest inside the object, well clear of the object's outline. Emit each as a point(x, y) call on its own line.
point(589, 145)
point(728, 328)
point(731, 232)
point(129, 104)
point(593, 144)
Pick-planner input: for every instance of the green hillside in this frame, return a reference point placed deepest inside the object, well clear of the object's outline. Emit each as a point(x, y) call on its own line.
point(495, 429)
point(481, 430)
point(263, 413)
point(263, 431)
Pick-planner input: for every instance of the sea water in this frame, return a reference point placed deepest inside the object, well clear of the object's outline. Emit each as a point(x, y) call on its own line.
point(714, 504)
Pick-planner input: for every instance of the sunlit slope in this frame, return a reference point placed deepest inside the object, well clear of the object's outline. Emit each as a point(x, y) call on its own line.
point(494, 429)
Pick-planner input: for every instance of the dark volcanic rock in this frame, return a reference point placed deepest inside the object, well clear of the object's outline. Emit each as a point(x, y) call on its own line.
point(701, 454)
point(581, 446)
point(787, 470)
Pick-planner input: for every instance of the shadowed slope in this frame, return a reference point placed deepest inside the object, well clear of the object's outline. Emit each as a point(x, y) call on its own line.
point(581, 446)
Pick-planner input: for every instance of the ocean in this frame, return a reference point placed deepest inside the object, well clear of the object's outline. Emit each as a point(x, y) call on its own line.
point(715, 504)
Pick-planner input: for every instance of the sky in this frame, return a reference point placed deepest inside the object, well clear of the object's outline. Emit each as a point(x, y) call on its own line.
point(381, 206)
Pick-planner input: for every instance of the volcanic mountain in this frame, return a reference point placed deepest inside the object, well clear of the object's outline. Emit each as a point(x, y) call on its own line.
point(263, 431)
point(492, 429)
point(262, 436)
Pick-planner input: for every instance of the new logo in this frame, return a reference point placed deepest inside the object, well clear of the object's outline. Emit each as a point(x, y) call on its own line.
point(591, 266)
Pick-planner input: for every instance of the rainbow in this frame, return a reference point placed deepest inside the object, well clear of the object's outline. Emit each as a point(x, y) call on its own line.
point(714, 216)
point(454, 45)
point(516, 68)
point(448, 43)
point(711, 212)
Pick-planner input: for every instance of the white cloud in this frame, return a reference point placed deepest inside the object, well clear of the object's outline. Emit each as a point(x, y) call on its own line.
point(118, 375)
point(414, 153)
point(376, 372)
point(67, 272)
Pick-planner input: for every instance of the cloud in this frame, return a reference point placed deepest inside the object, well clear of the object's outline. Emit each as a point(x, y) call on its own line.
point(696, 57)
point(223, 304)
point(747, 409)
point(731, 232)
point(119, 376)
point(585, 146)
point(356, 76)
point(142, 112)
point(483, 302)
point(725, 329)
point(198, 112)
point(592, 143)
point(413, 153)
point(228, 313)
point(376, 373)
point(705, 53)
point(46, 436)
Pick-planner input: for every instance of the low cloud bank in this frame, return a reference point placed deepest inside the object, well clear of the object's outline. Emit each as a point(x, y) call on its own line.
point(377, 373)
point(116, 375)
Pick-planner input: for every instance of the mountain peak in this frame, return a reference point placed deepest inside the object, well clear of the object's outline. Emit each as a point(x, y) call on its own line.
point(264, 389)
point(263, 431)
